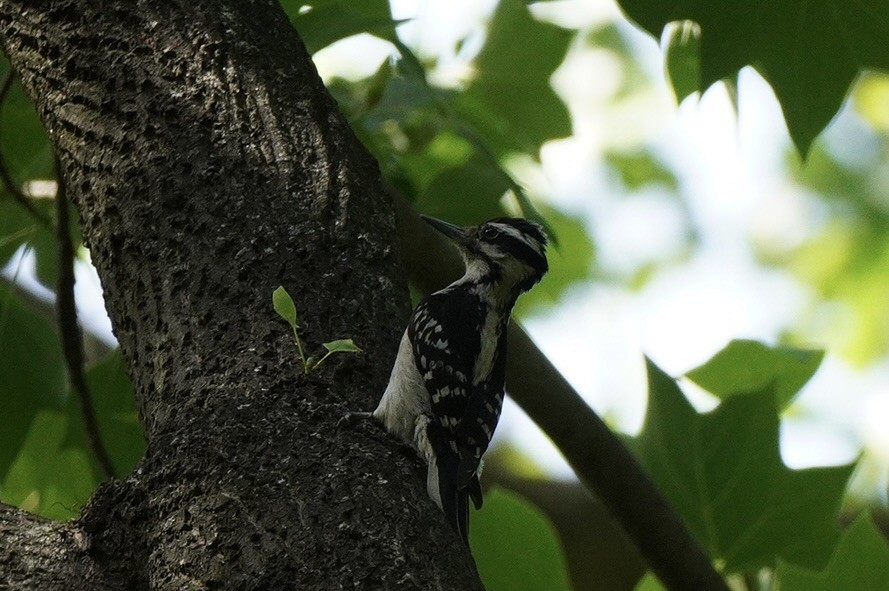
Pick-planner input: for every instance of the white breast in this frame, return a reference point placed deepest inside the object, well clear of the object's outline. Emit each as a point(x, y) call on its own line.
point(406, 401)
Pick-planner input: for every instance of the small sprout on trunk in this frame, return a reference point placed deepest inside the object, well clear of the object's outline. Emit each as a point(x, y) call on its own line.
point(286, 309)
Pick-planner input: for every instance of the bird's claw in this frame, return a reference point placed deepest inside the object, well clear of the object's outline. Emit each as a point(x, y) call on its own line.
point(351, 418)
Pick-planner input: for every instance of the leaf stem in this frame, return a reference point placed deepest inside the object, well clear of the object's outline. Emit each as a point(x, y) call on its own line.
point(320, 361)
point(299, 347)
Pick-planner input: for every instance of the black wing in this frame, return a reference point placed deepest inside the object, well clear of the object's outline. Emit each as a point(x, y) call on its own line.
point(445, 330)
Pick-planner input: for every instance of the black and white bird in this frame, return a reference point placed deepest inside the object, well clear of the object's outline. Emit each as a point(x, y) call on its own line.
point(445, 392)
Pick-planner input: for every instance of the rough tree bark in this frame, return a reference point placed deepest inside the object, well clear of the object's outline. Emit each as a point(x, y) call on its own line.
point(209, 165)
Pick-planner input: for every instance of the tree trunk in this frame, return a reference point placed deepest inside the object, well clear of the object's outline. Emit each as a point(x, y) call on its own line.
point(209, 165)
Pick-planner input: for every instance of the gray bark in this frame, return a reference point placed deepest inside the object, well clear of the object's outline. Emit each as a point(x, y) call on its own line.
point(209, 165)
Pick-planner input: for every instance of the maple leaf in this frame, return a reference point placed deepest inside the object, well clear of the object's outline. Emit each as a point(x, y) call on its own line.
point(746, 367)
point(860, 561)
point(723, 473)
point(510, 100)
point(809, 52)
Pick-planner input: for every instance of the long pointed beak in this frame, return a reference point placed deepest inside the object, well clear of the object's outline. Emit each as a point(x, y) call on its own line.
point(454, 232)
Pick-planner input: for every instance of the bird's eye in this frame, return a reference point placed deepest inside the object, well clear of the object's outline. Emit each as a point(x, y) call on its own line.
point(489, 233)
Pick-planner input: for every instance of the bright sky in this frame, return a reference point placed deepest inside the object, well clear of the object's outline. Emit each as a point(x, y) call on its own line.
point(731, 177)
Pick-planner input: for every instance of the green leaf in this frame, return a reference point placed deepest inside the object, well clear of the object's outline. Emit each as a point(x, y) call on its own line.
point(569, 265)
point(114, 403)
point(28, 156)
point(481, 186)
point(284, 306)
point(810, 52)
point(649, 583)
point(871, 99)
point(682, 59)
point(510, 100)
point(515, 547)
point(341, 346)
point(323, 22)
point(846, 260)
point(32, 372)
point(444, 152)
point(48, 478)
point(859, 562)
point(723, 473)
point(25, 146)
point(641, 169)
point(746, 367)
point(16, 228)
point(46, 254)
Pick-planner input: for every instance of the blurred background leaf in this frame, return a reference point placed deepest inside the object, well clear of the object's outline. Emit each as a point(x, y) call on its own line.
point(860, 561)
point(323, 22)
point(514, 546)
point(47, 477)
point(682, 59)
point(509, 99)
point(119, 427)
point(32, 373)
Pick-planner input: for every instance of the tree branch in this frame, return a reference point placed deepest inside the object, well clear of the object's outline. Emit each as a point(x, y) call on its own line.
point(72, 338)
point(598, 457)
point(39, 553)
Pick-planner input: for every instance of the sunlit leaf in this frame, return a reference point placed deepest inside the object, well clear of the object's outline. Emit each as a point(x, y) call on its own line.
point(46, 477)
point(746, 367)
point(723, 473)
point(515, 547)
point(871, 99)
point(859, 562)
point(641, 169)
point(846, 263)
point(510, 100)
point(32, 372)
point(112, 395)
point(323, 22)
point(649, 583)
point(682, 59)
point(284, 306)
point(341, 346)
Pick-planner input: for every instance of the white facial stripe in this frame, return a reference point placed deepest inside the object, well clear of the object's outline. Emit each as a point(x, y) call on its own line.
point(491, 251)
point(524, 238)
point(475, 269)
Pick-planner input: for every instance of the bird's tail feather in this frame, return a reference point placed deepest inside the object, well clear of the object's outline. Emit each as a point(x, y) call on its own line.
point(454, 501)
point(475, 491)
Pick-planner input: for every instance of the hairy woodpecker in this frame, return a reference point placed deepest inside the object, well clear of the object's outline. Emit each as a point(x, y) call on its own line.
point(446, 388)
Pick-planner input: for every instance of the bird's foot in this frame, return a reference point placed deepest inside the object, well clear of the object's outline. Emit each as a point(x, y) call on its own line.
point(350, 419)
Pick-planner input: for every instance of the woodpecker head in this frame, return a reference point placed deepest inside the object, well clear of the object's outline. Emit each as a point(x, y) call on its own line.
point(505, 251)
